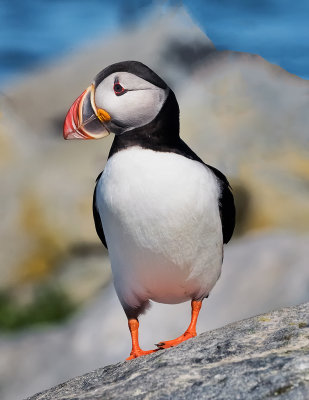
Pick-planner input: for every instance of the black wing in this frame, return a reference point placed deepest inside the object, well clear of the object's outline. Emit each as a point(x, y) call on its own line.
point(226, 199)
point(96, 215)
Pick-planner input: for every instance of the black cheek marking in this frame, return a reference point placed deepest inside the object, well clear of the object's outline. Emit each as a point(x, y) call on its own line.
point(118, 89)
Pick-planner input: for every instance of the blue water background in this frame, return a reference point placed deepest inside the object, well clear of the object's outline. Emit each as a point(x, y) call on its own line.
point(36, 31)
point(33, 32)
point(277, 30)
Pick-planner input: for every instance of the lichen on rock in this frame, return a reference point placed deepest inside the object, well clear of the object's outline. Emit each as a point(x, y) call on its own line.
point(261, 357)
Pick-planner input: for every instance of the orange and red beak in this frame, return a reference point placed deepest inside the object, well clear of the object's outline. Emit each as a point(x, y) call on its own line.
point(84, 120)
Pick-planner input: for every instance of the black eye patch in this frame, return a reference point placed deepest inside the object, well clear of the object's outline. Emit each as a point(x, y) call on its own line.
point(118, 89)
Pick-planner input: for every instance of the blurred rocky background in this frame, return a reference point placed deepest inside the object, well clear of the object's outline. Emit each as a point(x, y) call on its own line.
point(59, 315)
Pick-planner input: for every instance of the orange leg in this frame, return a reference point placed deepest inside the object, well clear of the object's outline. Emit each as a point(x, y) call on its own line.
point(136, 350)
point(190, 332)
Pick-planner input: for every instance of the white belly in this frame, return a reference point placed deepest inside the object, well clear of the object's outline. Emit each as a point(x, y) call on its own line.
point(162, 225)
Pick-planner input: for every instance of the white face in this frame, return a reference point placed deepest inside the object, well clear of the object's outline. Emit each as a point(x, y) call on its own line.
point(138, 106)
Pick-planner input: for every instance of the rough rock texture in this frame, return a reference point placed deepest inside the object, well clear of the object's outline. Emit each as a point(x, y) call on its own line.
point(263, 357)
point(260, 273)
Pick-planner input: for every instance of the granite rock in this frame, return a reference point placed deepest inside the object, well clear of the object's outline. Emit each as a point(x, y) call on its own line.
point(266, 356)
point(260, 273)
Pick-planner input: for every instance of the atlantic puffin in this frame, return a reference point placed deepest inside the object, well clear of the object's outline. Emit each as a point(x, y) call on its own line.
point(162, 213)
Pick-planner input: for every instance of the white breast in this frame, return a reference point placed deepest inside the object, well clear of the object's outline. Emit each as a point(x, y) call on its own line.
point(162, 225)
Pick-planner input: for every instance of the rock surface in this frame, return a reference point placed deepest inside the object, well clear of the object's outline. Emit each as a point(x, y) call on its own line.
point(260, 273)
point(263, 357)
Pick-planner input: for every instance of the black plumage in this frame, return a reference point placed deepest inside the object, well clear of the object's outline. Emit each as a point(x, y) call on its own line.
point(162, 134)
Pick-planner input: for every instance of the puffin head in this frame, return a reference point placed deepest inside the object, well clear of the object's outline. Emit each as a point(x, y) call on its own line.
point(123, 97)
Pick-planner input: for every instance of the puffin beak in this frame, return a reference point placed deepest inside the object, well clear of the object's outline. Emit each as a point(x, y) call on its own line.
point(84, 120)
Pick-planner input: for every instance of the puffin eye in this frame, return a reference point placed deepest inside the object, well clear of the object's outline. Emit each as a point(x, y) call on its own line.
point(118, 89)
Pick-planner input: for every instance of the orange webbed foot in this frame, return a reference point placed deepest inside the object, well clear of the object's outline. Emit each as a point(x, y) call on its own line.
point(136, 350)
point(190, 332)
point(172, 343)
point(139, 352)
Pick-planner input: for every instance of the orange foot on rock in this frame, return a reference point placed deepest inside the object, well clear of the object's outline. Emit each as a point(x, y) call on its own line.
point(190, 332)
point(136, 350)
point(175, 342)
point(139, 352)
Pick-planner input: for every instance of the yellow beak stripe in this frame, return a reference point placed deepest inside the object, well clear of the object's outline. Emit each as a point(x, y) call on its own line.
point(100, 113)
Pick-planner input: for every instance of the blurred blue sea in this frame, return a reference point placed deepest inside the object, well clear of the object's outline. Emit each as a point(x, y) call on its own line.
point(36, 31)
point(277, 30)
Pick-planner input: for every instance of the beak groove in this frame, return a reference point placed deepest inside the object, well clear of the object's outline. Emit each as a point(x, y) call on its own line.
point(82, 120)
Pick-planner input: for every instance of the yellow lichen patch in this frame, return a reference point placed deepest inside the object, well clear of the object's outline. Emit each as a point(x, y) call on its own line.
point(46, 245)
point(264, 319)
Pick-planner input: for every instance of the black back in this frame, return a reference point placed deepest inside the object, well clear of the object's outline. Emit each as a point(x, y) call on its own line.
point(134, 67)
